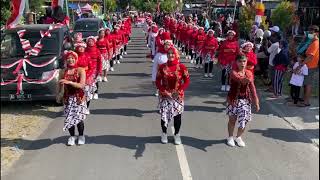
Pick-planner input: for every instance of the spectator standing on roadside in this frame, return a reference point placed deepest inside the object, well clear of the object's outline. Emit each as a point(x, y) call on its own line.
point(312, 61)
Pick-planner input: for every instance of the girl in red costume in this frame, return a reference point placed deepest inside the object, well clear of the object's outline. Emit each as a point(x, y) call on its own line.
point(188, 40)
point(209, 49)
point(172, 80)
point(86, 64)
point(111, 46)
point(247, 50)
point(103, 46)
point(240, 98)
point(227, 54)
point(73, 82)
point(178, 34)
point(118, 40)
point(192, 43)
point(95, 57)
point(199, 43)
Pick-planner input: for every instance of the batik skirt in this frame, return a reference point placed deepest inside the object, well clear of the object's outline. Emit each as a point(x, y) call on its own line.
point(74, 112)
point(169, 108)
point(242, 110)
point(105, 62)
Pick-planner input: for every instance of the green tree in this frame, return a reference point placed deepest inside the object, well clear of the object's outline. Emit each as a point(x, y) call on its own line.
point(246, 19)
point(37, 6)
point(168, 6)
point(5, 11)
point(282, 15)
point(111, 5)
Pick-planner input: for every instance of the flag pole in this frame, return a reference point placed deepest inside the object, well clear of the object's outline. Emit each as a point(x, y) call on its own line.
point(234, 11)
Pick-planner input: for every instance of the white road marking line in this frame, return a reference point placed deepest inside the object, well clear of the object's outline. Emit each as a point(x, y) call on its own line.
point(184, 166)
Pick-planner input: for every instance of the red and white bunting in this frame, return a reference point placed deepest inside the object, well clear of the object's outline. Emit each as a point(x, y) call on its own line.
point(21, 33)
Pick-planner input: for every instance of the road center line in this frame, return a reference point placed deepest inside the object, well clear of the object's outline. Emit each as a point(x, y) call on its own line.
point(184, 166)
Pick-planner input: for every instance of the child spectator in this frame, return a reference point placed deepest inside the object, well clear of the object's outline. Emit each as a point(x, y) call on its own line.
point(297, 78)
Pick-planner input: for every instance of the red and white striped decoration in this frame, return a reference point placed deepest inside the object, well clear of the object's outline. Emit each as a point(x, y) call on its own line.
point(17, 8)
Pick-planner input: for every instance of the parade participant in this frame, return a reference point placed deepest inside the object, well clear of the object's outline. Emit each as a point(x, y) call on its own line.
point(122, 35)
point(200, 39)
point(188, 40)
point(192, 44)
point(59, 16)
point(84, 62)
point(153, 35)
point(178, 34)
point(78, 37)
point(247, 50)
point(118, 41)
point(112, 47)
point(228, 51)
point(159, 39)
point(173, 30)
point(161, 56)
point(172, 80)
point(95, 57)
point(209, 49)
point(103, 46)
point(183, 37)
point(125, 38)
point(73, 82)
point(240, 98)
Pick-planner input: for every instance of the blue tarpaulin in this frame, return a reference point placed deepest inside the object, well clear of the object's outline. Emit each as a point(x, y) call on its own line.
point(73, 6)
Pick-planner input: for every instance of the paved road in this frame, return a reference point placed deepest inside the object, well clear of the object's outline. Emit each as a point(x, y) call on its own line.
point(123, 137)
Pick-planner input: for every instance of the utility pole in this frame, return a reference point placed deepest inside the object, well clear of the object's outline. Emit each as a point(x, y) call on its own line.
point(67, 8)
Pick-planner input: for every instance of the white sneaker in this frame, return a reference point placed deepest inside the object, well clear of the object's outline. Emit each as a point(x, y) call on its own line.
point(177, 139)
point(230, 141)
point(240, 142)
point(121, 57)
point(125, 53)
point(152, 61)
point(206, 75)
point(228, 88)
point(164, 138)
point(105, 79)
point(71, 141)
point(118, 62)
point(81, 140)
point(87, 112)
point(210, 75)
point(99, 79)
point(95, 96)
point(223, 88)
point(111, 69)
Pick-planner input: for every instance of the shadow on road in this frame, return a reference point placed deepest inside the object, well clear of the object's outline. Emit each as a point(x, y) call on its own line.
point(122, 95)
point(128, 142)
point(131, 74)
point(287, 135)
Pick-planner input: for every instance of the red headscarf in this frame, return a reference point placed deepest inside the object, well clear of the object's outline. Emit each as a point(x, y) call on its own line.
point(73, 54)
point(176, 59)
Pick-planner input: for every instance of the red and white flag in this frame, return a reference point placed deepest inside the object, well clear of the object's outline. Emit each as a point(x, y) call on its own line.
point(17, 8)
point(21, 33)
point(55, 3)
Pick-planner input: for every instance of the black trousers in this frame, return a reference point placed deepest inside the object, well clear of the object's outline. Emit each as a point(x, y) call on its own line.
point(80, 127)
point(295, 93)
point(97, 84)
point(176, 124)
point(199, 60)
point(125, 48)
point(224, 77)
point(208, 67)
point(191, 53)
point(112, 62)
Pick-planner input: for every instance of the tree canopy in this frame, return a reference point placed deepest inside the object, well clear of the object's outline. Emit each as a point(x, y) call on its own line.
point(283, 14)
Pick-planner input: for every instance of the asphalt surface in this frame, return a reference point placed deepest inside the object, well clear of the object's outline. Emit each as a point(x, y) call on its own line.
point(123, 142)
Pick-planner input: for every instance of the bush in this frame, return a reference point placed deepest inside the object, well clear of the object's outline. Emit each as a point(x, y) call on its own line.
point(282, 16)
